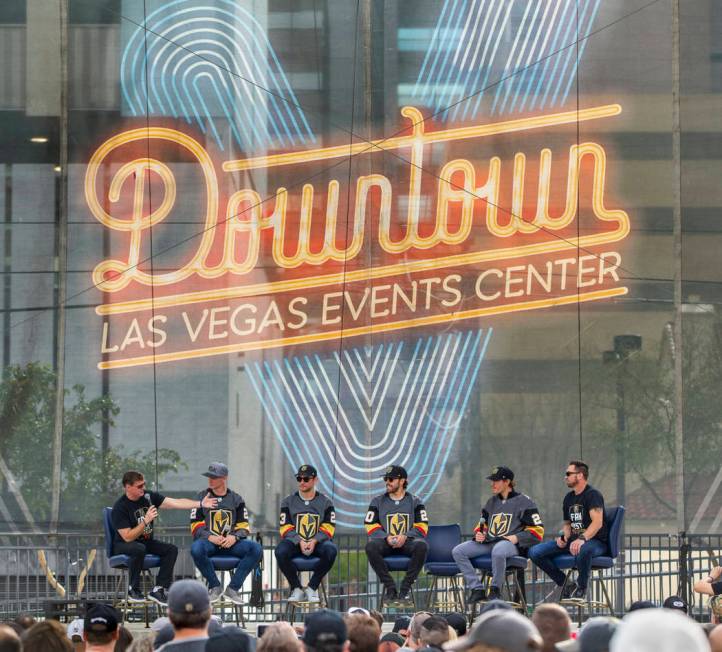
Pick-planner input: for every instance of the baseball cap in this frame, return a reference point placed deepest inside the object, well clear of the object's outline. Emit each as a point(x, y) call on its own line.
point(494, 605)
point(101, 618)
point(75, 628)
point(402, 622)
point(593, 637)
point(501, 628)
point(641, 604)
point(229, 639)
point(216, 470)
point(659, 630)
point(675, 602)
point(395, 471)
point(393, 637)
point(188, 596)
point(324, 626)
point(307, 470)
point(457, 622)
point(501, 473)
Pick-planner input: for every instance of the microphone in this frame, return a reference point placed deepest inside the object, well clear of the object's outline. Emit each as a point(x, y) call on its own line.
point(147, 497)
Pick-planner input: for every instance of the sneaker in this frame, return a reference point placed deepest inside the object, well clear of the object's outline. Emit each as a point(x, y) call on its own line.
point(405, 596)
point(312, 595)
point(579, 594)
point(233, 595)
point(568, 590)
point(297, 595)
point(159, 596)
point(494, 593)
point(477, 595)
point(390, 595)
point(215, 593)
point(134, 595)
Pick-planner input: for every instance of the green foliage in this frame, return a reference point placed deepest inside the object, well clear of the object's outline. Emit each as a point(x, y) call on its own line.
point(90, 478)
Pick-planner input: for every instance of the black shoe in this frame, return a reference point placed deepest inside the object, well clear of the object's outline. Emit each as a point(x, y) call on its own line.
point(405, 595)
point(390, 595)
point(568, 590)
point(134, 595)
point(477, 595)
point(494, 593)
point(159, 596)
point(579, 594)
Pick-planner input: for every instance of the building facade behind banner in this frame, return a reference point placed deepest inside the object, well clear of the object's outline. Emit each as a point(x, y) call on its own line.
point(360, 234)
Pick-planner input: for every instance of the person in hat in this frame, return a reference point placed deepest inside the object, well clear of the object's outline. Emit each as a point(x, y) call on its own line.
point(504, 630)
point(189, 610)
point(325, 631)
point(223, 530)
point(100, 628)
point(75, 634)
point(584, 534)
point(397, 524)
point(132, 517)
point(229, 639)
point(307, 523)
point(659, 630)
point(594, 636)
point(509, 525)
point(675, 602)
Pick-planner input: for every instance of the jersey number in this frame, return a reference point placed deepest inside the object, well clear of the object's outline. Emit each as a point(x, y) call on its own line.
point(369, 516)
point(536, 519)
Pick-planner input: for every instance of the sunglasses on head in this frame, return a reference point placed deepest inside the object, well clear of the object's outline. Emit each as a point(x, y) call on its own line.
point(303, 478)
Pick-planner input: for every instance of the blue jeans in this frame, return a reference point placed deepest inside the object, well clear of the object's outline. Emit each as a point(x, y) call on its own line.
point(248, 552)
point(543, 555)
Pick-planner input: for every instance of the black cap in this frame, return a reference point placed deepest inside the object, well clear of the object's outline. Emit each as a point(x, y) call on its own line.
point(457, 622)
point(501, 473)
point(307, 470)
point(395, 471)
point(229, 639)
point(675, 602)
point(101, 618)
point(642, 604)
point(188, 596)
point(324, 626)
point(393, 637)
point(402, 622)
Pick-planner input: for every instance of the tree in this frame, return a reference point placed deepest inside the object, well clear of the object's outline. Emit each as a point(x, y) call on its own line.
point(90, 476)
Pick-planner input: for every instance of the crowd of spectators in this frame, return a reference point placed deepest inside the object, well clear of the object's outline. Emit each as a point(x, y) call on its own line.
point(190, 627)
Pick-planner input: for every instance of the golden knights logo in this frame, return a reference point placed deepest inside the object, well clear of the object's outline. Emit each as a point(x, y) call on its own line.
point(397, 524)
point(220, 521)
point(499, 525)
point(307, 525)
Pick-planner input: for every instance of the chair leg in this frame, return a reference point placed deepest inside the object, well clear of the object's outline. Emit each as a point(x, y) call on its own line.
point(606, 593)
point(458, 595)
point(432, 590)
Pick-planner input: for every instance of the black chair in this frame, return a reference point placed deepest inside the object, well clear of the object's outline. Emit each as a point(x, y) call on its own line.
point(440, 565)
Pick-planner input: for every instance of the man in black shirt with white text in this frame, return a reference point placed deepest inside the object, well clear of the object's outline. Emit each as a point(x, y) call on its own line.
point(584, 534)
point(132, 517)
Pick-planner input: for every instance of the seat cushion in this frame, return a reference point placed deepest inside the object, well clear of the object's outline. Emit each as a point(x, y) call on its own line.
point(442, 568)
point(483, 562)
point(397, 562)
point(121, 561)
point(565, 562)
point(224, 562)
point(305, 563)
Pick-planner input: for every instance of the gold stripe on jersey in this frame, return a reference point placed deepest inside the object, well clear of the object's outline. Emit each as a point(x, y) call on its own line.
point(285, 529)
point(422, 527)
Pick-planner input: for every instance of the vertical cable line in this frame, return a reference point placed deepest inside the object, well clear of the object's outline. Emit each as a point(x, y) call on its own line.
point(579, 303)
point(150, 237)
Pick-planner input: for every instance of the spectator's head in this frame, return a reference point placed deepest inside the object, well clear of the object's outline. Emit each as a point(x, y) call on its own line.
point(378, 617)
point(675, 602)
point(325, 631)
point(401, 626)
point(26, 621)
point(493, 605)
point(434, 632)
point(363, 633)
point(595, 636)
point(457, 621)
point(229, 639)
point(75, 632)
point(501, 629)
point(9, 639)
point(553, 623)
point(100, 627)
point(715, 639)
point(46, 636)
point(279, 637)
point(390, 642)
point(142, 643)
point(659, 630)
point(189, 606)
point(413, 638)
point(641, 604)
point(125, 638)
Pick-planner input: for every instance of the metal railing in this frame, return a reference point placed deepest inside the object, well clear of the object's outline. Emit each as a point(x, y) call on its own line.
point(649, 568)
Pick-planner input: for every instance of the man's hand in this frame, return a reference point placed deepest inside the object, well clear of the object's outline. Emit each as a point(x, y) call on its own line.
point(391, 540)
point(151, 514)
point(229, 541)
point(512, 538)
point(480, 536)
point(716, 573)
point(216, 539)
point(560, 542)
point(209, 502)
point(400, 541)
point(307, 547)
point(576, 546)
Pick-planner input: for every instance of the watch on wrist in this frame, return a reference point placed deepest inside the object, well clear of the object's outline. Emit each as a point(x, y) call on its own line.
point(581, 537)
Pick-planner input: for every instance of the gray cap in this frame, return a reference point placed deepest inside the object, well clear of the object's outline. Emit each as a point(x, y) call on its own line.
point(216, 470)
point(501, 628)
point(593, 637)
point(188, 596)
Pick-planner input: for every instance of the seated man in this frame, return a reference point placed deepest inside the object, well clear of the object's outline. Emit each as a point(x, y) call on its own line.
point(132, 517)
point(396, 524)
point(307, 524)
point(223, 530)
point(509, 525)
point(584, 534)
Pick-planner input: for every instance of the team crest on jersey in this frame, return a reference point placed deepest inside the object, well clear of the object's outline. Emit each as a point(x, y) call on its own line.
point(499, 525)
point(307, 525)
point(397, 524)
point(221, 521)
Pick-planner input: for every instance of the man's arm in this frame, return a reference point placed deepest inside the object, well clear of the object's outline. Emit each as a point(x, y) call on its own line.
point(597, 516)
point(372, 523)
point(328, 524)
point(208, 502)
point(533, 531)
point(710, 585)
point(129, 534)
point(421, 521)
point(285, 524)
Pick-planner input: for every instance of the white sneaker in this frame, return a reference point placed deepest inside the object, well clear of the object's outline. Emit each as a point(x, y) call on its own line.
point(297, 595)
point(312, 595)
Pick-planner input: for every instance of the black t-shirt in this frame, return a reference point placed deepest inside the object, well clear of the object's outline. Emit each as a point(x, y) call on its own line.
point(717, 587)
point(128, 513)
point(577, 508)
